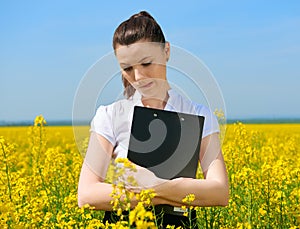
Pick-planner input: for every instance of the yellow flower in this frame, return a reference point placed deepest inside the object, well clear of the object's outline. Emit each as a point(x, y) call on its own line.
point(119, 211)
point(1, 140)
point(39, 178)
point(39, 121)
point(262, 211)
point(188, 199)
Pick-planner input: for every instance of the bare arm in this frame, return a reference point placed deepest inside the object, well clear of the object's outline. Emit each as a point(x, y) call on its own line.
point(92, 189)
point(208, 192)
point(211, 191)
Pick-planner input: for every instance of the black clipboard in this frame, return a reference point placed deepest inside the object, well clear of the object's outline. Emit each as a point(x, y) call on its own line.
point(166, 142)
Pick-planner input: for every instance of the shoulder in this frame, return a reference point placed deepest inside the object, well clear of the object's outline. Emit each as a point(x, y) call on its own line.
point(201, 109)
point(211, 124)
point(110, 119)
point(119, 107)
point(114, 114)
point(182, 104)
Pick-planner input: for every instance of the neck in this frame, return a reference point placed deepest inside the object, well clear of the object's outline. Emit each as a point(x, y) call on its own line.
point(159, 102)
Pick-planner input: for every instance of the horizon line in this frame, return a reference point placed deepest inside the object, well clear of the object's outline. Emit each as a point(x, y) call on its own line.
point(63, 122)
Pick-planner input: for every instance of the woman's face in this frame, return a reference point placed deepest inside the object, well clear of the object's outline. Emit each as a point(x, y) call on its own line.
point(143, 64)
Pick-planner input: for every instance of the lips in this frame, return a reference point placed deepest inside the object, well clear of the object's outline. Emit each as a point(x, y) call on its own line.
point(147, 85)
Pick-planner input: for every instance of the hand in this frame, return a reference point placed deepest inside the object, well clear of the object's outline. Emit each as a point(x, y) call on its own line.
point(142, 179)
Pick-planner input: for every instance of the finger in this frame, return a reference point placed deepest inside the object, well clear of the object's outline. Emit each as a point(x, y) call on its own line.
point(134, 189)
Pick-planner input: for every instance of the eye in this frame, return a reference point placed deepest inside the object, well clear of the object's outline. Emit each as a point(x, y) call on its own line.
point(146, 64)
point(127, 69)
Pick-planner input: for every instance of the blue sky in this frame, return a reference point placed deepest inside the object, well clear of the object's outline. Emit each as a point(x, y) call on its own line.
point(251, 47)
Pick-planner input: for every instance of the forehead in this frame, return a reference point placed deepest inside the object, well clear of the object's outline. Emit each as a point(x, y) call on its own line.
point(129, 54)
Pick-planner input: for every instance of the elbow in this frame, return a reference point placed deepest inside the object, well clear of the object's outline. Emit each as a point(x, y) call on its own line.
point(220, 196)
point(224, 201)
point(224, 196)
point(84, 199)
point(220, 200)
point(81, 199)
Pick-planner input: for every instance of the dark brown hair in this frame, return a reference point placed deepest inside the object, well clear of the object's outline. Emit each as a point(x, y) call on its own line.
point(140, 26)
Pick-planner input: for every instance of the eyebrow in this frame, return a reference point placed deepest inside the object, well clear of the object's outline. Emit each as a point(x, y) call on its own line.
point(140, 61)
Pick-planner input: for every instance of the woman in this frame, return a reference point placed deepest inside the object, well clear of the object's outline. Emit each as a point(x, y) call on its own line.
point(142, 53)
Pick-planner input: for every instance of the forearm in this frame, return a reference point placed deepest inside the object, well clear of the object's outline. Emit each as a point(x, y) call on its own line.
point(92, 190)
point(98, 195)
point(211, 191)
point(207, 192)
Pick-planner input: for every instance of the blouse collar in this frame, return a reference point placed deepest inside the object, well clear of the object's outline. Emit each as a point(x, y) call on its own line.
point(137, 99)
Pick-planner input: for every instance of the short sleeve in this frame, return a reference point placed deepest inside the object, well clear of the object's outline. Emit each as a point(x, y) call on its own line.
point(211, 124)
point(102, 123)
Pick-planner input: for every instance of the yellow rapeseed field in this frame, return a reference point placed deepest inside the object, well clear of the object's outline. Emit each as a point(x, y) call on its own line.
point(40, 167)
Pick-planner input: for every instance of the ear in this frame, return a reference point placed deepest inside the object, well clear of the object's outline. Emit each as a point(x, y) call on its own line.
point(167, 50)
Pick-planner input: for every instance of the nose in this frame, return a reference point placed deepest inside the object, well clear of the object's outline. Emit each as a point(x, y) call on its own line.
point(138, 73)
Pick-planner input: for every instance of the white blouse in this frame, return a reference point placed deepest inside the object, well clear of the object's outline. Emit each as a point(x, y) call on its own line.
point(113, 121)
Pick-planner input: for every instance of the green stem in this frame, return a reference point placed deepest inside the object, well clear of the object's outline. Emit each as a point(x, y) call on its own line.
point(7, 172)
point(154, 214)
point(190, 217)
point(40, 144)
